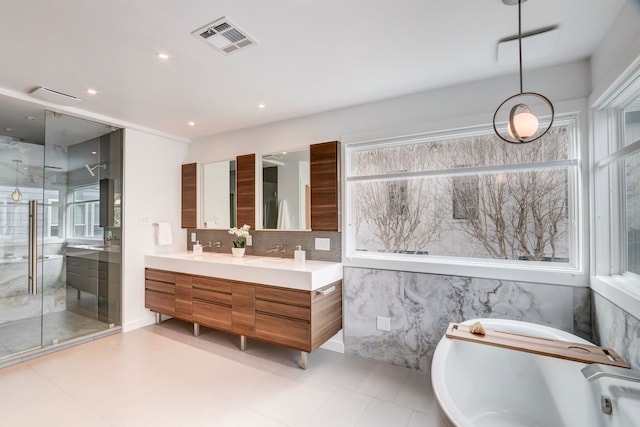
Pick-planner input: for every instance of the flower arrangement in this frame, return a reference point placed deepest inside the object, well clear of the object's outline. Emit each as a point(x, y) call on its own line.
point(242, 234)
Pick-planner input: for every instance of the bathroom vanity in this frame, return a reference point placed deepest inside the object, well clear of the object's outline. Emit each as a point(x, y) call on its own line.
point(277, 300)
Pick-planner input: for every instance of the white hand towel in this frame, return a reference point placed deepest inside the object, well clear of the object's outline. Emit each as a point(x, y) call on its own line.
point(164, 233)
point(284, 221)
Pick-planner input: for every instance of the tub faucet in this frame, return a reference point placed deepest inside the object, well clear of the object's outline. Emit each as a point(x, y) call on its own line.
point(596, 370)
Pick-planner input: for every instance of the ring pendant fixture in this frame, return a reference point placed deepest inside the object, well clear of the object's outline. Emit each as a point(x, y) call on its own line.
point(16, 196)
point(516, 119)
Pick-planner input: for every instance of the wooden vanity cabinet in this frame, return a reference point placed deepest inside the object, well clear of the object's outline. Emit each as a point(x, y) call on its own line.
point(246, 190)
point(183, 297)
point(283, 316)
point(160, 291)
point(324, 164)
point(212, 302)
point(189, 195)
point(302, 320)
point(243, 321)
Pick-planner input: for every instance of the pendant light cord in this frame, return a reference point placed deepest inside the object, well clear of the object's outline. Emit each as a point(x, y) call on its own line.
point(520, 40)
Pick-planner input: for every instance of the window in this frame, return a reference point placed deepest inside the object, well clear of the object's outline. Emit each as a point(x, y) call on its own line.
point(14, 217)
point(616, 165)
point(466, 194)
point(52, 225)
point(84, 213)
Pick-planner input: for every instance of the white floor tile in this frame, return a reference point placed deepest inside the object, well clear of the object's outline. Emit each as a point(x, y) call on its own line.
point(342, 409)
point(164, 376)
point(416, 393)
point(384, 414)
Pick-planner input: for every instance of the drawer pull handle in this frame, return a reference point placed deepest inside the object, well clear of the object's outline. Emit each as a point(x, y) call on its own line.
point(327, 291)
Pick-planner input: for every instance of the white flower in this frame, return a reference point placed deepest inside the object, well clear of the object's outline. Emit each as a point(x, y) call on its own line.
point(242, 233)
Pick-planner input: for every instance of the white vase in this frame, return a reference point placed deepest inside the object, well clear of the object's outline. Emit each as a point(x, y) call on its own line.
point(239, 252)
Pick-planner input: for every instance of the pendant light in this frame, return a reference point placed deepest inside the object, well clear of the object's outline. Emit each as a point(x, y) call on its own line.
point(517, 116)
point(16, 196)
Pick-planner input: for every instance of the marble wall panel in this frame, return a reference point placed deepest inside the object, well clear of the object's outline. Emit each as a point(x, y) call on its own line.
point(421, 306)
point(613, 327)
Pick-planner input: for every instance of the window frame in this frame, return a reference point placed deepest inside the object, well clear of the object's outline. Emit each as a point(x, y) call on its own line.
point(529, 271)
point(608, 152)
point(90, 208)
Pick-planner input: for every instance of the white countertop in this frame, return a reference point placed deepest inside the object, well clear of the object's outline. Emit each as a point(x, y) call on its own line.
point(308, 275)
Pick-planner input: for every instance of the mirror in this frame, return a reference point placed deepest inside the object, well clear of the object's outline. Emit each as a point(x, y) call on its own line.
point(219, 194)
point(286, 191)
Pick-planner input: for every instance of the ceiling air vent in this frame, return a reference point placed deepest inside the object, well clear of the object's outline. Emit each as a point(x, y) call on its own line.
point(224, 35)
point(54, 96)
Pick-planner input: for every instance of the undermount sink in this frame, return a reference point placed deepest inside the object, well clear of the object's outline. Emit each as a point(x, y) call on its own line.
point(265, 261)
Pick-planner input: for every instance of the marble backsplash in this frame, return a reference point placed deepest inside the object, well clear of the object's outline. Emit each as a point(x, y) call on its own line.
point(421, 306)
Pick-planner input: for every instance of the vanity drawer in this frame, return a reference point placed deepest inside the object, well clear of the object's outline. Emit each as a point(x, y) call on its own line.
point(212, 284)
point(167, 288)
point(211, 296)
point(212, 315)
point(160, 276)
point(288, 332)
point(284, 296)
point(160, 302)
point(283, 310)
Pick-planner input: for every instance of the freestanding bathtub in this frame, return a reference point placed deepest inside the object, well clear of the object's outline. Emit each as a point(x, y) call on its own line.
point(484, 386)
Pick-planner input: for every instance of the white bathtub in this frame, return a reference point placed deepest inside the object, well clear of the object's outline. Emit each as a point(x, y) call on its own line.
point(485, 386)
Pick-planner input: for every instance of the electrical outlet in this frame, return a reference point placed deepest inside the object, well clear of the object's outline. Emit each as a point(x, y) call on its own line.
point(193, 237)
point(323, 244)
point(249, 240)
point(383, 323)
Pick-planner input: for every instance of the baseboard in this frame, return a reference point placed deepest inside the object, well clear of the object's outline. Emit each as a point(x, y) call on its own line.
point(137, 324)
point(335, 343)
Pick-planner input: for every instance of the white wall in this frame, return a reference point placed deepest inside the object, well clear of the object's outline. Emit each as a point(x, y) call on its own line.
point(618, 49)
point(152, 193)
point(460, 105)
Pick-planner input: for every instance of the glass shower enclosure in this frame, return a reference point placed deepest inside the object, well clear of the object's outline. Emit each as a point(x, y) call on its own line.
point(60, 205)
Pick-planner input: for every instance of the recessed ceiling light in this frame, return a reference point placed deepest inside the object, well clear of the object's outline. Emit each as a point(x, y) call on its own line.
point(262, 106)
point(94, 152)
point(8, 129)
point(92, 91)
point(162, 55)
point(191, 123)
point(30, 118)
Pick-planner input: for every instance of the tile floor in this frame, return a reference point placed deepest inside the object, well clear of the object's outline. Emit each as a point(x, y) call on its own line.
point(28, 334)
point(163, 376)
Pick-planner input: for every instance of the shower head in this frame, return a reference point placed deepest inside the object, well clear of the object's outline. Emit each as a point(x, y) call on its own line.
point(91, 169)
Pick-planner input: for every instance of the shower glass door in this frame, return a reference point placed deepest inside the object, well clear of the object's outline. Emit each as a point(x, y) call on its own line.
point(21, 215)
point(60, 229)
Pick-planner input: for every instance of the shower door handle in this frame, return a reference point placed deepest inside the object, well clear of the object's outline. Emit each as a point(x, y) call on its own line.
point(33, 247)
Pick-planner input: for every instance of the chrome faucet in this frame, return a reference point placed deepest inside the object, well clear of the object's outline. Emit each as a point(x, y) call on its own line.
point(278, 248)
point(211, 244)
point(596, 370)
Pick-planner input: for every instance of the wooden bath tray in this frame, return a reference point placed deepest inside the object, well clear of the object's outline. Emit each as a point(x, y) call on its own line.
point(543, 346)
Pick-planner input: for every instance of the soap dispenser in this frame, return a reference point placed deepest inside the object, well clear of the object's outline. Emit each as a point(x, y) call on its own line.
point(197, 248)
point(299, 254)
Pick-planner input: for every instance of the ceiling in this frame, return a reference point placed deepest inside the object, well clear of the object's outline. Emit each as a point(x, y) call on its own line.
point(311, 56)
